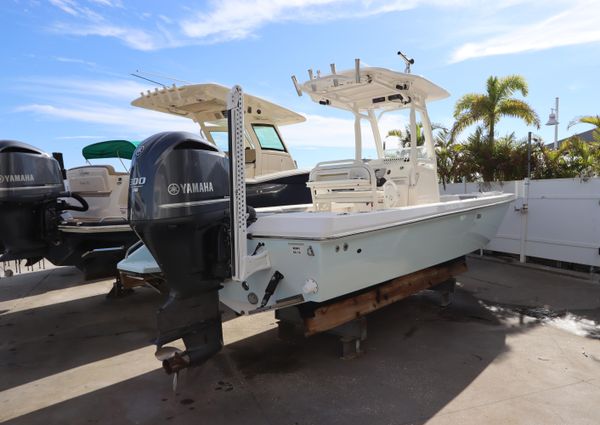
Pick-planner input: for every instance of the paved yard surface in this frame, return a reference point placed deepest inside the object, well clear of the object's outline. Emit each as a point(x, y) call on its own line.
point(517, 346)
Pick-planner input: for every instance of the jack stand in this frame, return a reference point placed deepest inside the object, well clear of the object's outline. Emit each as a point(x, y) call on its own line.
point(446, 290)
point(290, 325)
point(118, 290)
point(352, 336)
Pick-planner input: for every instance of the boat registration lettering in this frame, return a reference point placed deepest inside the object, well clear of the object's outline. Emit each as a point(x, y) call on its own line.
point(296, 248)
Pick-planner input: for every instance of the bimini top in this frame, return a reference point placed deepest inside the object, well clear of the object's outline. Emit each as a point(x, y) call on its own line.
point(208, 102)
point(110, 149)
point(369, 88)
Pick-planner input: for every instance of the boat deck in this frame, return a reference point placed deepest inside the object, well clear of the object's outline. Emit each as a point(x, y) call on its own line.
point(518, 345)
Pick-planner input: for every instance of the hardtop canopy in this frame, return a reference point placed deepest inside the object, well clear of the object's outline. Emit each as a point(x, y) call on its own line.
point(208, 102)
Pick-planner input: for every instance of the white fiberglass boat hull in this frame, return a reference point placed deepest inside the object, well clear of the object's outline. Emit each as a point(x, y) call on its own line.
point(321, 266)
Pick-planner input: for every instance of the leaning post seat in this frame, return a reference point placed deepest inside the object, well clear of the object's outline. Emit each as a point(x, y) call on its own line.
point(343, 182)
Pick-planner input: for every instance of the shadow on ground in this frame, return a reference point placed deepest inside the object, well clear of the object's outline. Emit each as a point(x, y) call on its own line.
point(420, 356)
point(40, 282)
point(43, 341)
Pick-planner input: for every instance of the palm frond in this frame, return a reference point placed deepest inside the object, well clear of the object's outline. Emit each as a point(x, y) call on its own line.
point(509, 84)
point(585, 119)
point(519, 109)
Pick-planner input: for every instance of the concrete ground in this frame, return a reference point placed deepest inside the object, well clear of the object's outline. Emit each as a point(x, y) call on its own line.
point(517, 346)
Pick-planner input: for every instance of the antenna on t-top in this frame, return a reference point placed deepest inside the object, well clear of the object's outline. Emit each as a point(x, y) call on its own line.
point(143, 75)
point(407, 60)
point(133, 74)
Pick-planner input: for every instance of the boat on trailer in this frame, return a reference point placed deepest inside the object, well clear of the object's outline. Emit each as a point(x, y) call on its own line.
point(370, 220)
point(39, 220)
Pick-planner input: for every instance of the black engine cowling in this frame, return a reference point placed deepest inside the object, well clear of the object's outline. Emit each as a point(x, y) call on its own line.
point(30, 183)
point(179, 207)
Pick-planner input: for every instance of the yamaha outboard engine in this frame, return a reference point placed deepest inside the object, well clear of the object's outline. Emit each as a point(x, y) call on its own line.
point(179, 207)
point(30, 183)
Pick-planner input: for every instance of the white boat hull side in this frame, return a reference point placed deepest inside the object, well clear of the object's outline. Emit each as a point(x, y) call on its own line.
point(369, 258)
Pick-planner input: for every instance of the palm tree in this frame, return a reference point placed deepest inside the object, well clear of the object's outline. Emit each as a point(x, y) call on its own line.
point(448, 157)
point(478, 157)
point(404, 135)
point(493, 105)
point(588, 119)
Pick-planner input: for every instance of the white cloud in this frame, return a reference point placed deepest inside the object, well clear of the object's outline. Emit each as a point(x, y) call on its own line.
point(74, 60)
point(84, 89)
point(323, 131)
point(135, 38)
point(97, 102)
point(223, 21)
point(220, 21)
point(238, 19)
point(89, 22)
point(109, 3)
point(68, 6)
point(115, 119)
point(75, 9)
point(577, 24)
point(165, 19)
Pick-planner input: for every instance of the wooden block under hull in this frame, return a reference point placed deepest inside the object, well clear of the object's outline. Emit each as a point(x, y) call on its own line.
point(338, 312)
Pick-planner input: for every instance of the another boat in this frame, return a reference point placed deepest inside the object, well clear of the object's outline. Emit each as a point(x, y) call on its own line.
point(370, 220)
point(38, 220)
point(272, 175)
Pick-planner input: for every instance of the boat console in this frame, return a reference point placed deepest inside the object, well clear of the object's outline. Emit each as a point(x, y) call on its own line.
point(105, 191)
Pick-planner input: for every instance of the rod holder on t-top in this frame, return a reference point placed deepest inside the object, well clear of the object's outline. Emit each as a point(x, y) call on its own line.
point(242, 264)
point(357, 70)
point(407, 60)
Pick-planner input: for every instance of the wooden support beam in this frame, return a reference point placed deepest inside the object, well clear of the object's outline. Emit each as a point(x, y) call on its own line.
point(129, 281)
point(332, 315)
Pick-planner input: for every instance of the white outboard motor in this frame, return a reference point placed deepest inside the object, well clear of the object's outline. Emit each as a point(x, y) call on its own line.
point(179, 207)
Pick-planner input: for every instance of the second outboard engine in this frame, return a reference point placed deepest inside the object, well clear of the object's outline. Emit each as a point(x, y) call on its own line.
point(30, 183)
point(179, 207)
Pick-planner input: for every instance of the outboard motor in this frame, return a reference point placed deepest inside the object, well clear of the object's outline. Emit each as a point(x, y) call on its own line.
point(179, 207)
point(30, 183)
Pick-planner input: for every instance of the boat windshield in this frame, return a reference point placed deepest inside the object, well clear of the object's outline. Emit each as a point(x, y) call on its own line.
point(268, 137)
point(217, 132)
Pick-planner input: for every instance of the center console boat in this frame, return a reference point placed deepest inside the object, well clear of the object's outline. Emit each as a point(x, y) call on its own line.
point(370, 220)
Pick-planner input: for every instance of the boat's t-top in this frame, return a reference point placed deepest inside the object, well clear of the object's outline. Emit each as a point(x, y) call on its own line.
point(206, 104)
point(398, 177)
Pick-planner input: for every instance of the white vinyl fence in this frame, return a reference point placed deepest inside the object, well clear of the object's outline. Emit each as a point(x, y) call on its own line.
point(560, 221)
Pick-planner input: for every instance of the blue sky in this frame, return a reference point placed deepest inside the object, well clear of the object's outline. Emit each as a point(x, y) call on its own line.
point(66, 64)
